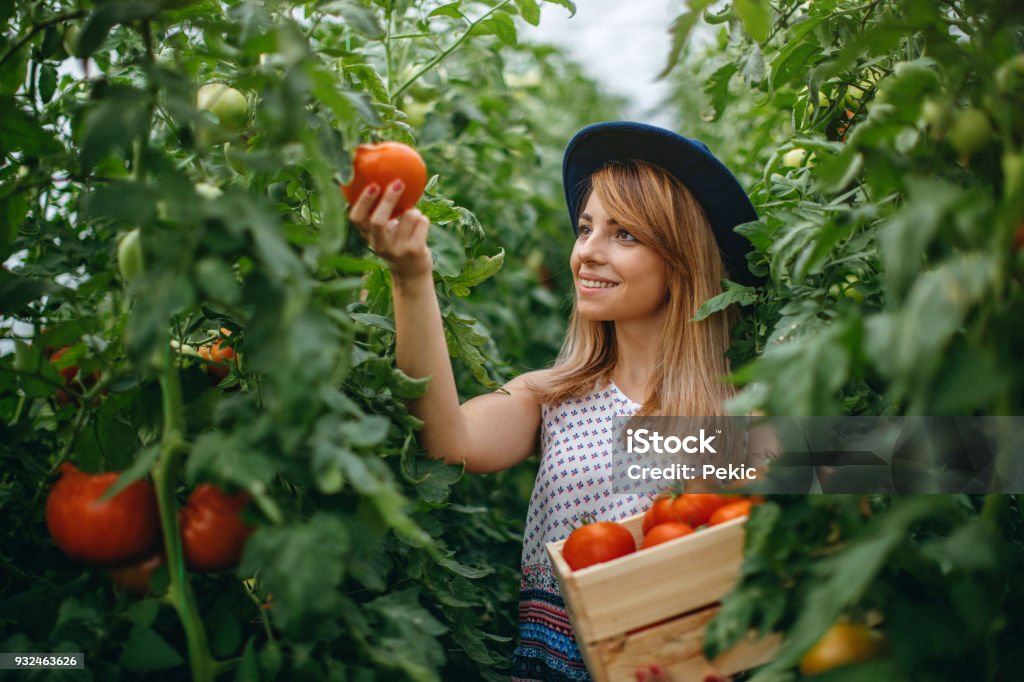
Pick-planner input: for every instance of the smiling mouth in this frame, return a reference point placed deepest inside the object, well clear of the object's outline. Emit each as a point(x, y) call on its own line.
point(593, 284)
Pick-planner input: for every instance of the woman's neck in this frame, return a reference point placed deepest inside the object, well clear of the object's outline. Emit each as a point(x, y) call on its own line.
point(638, 346)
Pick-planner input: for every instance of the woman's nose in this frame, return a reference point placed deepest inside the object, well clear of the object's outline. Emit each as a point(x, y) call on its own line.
point(591, 249)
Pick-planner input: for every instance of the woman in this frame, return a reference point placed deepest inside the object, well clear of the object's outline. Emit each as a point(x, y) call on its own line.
point(653, 214)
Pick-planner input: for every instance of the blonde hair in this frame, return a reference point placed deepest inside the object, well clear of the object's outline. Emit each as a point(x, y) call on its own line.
point(660, 212)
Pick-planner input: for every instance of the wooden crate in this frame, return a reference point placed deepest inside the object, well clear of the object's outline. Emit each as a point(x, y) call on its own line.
point(652, 606)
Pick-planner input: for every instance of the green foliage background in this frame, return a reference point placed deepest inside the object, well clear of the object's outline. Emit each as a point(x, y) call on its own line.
point(895, 288)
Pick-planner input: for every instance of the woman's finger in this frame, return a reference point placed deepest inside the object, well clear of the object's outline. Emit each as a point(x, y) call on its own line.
point(360, 210)
point(388, 201)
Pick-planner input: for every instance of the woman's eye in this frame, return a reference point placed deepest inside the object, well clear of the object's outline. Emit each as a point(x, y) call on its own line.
point(584, 230)
point(623, 234)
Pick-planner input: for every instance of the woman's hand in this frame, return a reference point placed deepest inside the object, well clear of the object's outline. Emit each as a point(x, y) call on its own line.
point(401, 241)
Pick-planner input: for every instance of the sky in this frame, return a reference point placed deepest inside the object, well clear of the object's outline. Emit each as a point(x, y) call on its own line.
point(621, 43)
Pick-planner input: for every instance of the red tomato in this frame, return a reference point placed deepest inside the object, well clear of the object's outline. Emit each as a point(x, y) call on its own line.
point(134, 578)
point(382, 164)
point(664, 532)
point(733, 510)
point(120, 529)
point(216, 353)
point(213, 533)
point(696, 509)
point(659, 512)
point(596, 542)
point(70, 374)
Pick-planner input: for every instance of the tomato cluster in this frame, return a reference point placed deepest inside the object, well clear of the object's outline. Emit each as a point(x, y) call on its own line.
point(668, 518)
point(123, 532)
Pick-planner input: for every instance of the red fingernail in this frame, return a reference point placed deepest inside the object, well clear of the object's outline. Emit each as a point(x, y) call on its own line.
point(372, 190)
point(641, 675)
point(397, 186)
point(657, 670)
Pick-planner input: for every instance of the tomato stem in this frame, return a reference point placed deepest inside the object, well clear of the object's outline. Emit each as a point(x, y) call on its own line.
point(165, 476)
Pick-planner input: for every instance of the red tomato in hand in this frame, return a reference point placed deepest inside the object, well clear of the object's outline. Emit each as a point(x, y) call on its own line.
point(659, 512)
point(213, 533)
point(664, 532)
point(733, 510)
point(696, 509)
point(596, 542)
point(120, 529)
point(382, 164)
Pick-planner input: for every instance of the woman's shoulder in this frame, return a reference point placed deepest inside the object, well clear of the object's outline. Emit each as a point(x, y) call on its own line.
point(533, 383)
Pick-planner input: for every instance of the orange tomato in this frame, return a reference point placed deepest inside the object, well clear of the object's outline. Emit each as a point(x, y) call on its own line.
point(664, 532)
point(696, 509)
point(843, 644)
point(733, 510)
point(659, 512)
point(596, 542)
point(381, 164)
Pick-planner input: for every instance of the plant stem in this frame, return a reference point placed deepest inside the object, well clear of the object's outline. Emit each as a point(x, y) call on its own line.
point(451, 48)
point(165, 476)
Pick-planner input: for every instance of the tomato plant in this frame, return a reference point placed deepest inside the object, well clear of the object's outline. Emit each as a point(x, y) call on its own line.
point(383, 164)
point(90, 529)
point(597, 542)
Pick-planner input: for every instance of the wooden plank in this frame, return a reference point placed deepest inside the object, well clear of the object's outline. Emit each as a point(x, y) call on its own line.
point(683, 575)
point(676, 645)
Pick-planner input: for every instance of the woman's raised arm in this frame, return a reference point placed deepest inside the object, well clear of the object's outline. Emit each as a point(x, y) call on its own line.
point(490, 432)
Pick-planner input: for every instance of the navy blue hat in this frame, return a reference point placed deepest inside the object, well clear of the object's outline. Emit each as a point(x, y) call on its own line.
point(690, 161)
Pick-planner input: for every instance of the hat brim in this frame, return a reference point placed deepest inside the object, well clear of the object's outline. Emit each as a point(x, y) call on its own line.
point(690, 161)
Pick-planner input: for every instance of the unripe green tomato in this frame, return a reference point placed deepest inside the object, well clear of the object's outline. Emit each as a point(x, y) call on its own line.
point(208, 191)
point(856, 93)
point(936, 115)
point(849, 290)
point(795, 158)
point(235, 157)
point(227, 104)
point(70, 40)
point(970, 131)
point(823, 102)
point(129, 255)
point(1010, 74)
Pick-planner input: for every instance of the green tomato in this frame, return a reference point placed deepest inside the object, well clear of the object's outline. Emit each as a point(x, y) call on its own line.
point(796, 157)
point(234, 155)
point(228, 106)
point(856, 93)
point(970, 131)
point(208, 191)
point(935, 115)
point(129, 255)
point(70, 40)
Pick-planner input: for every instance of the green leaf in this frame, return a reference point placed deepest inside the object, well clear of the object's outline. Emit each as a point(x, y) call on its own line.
point(681, 28)
point(756, 16)
point(369, 78)
point(452, 9)
point(146, 652)
point(529, 10)
point(501, 25)
point(20, 132)
point(404, 636)
point(476, 271)
point(361, 19)
point(107, 15)
point(465, 571)
point(734, 293)
point(113, 123)
point(568, 4)
point(465, 342)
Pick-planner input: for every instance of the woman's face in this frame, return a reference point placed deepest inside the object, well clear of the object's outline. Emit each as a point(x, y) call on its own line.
point(617, 278)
